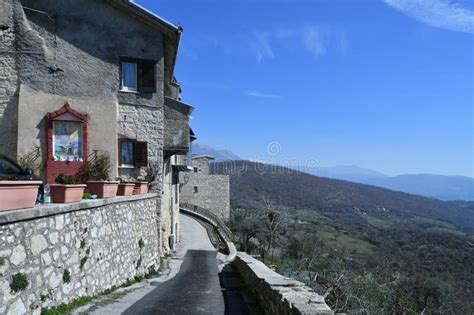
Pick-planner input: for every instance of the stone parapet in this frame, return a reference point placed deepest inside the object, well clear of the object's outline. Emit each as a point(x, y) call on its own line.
point(65, 251)
point(277, 294)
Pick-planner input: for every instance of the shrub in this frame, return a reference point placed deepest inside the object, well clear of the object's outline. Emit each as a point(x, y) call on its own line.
point(29, 160)
point(66, 180)
point(83, 262)
point(19, 282)
point(96, 167)
point(150, 174)
point(66, 276)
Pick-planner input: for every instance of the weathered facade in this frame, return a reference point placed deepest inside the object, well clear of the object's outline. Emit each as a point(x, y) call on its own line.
point(108, 60)
point(78, 77)
point(56, 52)
point(202, 189)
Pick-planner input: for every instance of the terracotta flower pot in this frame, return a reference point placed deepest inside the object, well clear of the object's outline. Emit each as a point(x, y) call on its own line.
point(66, 193)
point(103, 189)
point(140, 188)
point(125, 189)
point(18, 194)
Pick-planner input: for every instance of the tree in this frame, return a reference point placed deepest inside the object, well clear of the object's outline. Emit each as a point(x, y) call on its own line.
point(271, 219)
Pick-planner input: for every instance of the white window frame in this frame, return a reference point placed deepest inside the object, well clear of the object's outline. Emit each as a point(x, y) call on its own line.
point(123, 87)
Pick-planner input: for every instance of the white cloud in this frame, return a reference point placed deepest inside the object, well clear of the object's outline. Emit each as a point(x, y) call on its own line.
point(438, 13)
point(314, 41)
point(262, 95)
point(260, 44)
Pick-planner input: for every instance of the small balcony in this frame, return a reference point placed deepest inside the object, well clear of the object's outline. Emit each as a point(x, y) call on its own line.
point(177, 137)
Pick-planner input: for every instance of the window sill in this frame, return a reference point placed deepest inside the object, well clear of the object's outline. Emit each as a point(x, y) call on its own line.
point(129, 91)
point(127, 166)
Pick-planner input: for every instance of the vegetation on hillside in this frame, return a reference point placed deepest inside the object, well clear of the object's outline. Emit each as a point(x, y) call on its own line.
point(367, 250)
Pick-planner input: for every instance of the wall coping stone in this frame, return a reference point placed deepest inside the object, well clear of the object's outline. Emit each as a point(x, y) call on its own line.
point(278, 294)
point(45, 210)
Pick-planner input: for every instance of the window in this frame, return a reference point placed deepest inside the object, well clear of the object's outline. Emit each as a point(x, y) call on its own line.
point(67, 141)
point(195, 170)
point(133, 153)
point(129, 76)
point(195, 189)
point(137, 75)
point(128, 153)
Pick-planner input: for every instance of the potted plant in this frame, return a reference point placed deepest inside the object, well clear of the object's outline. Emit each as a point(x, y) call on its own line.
point(125, 188)
point(18, 187)
point(141, 187)
point(68, 189)
point(95, 172)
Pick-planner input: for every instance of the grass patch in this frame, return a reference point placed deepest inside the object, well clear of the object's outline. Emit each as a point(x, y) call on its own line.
point(64, 309)
point(347, 242)
point(19, 282)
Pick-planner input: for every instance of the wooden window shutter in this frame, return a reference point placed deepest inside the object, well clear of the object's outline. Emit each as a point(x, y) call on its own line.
point(141, 154)
point(120, 152)
point(146, 76)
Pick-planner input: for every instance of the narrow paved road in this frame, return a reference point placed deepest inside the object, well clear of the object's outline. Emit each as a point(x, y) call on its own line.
point(197, 288)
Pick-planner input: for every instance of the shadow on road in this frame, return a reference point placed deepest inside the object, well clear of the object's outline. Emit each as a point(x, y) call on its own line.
point(198, 288)
point(238, 299)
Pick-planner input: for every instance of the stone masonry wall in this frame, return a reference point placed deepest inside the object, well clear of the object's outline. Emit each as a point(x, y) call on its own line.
point(100, 243)
point(72, 49)
point(278, 295)
point(8, 81)
point(213, 191)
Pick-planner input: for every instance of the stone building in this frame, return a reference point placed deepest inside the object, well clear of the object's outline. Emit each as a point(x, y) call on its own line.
point(202, 189)
point(94, 75)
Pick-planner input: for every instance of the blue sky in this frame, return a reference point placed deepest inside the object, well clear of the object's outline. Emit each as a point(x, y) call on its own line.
point(386, 85)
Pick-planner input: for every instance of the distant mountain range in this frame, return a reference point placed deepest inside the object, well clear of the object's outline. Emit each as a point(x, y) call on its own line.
point(344, 201)
point(431, 185)
point(199, 148)
point(442, 187)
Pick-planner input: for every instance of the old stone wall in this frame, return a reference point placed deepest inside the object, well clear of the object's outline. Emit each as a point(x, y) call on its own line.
point(277, 294)
point(206, 190)
point(8, 81)
point(72, 49)
point(98, 243)
point(170, 203)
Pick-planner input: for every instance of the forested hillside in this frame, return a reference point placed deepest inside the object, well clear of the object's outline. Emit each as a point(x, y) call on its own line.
point(368, 249)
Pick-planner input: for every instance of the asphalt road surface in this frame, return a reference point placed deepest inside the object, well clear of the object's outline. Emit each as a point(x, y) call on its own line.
point(199, 287)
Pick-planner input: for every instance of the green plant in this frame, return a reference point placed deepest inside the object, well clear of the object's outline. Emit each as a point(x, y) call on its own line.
point(150, 174)
point(19, 282)
point(66, 276)
point(83, 262)
point(44, 297)
point(141, 243)
point(2, 261)
point(96, 167)
point(139, 262)
point(86, 195)
point(28, 160)
point(67, 308)
point(66, 180)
